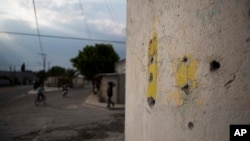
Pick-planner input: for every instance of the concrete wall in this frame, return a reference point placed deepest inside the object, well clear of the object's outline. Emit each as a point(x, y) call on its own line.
point(78, 82)
point(187, 69)
point(118, 91)
point(121, 88)
point(104, 87)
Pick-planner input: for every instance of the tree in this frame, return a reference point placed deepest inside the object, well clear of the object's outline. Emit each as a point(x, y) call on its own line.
point(41, 75)
point(56, 71)
point(70, 73)
point(23, 68)
point(95, 59)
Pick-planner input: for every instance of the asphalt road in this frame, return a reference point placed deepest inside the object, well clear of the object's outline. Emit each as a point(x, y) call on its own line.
point(8, 94)
point(61, 119)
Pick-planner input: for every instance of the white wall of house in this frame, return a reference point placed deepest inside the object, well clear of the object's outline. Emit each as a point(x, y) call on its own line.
point(120, 66)
point(78, 81)
point(104, 87)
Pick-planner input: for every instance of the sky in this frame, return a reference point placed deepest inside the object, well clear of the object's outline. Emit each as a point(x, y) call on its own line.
point(86, 22)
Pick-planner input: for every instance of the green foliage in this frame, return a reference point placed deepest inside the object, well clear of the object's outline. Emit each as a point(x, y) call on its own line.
point(70, 73)
point(95, 59)
point(57, 71)
point(23, 67)
point(42, 75)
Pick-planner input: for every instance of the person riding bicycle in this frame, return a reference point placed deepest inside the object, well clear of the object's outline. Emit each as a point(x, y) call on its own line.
point(40, 92)
point(65, 88)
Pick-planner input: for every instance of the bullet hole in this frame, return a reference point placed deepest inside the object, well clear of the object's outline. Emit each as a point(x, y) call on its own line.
point(150, 77)
point(190, 125)
point(150, 41)
point(152, 60)
point(214, 65)
point(151, 102)
point(185, 59)
point(186, 89)
point(248, 40)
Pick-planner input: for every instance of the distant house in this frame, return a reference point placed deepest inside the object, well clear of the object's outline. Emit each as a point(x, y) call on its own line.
point(58, 81)
point(78, 81)
point(120, 66)
point(16, 77)
point(118, 78)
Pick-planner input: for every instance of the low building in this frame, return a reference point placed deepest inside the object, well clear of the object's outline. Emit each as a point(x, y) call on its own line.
point(16, 77)
point(57, 81)
point(120, 66)
point(78, 81)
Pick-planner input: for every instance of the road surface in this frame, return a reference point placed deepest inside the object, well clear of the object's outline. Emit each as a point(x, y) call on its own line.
point(61, 119)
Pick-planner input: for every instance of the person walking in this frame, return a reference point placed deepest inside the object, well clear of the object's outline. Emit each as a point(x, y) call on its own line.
point(110, 93)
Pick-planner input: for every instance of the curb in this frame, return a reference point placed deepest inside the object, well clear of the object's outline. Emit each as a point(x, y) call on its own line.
point(47, 89)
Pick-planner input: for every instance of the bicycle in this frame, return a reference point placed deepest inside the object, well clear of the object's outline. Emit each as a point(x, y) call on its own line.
point(65, 92)
point(39, 101)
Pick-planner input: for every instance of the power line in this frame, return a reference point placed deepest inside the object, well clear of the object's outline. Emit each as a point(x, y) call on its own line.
point(81, 8)
point(113, 14)
point(39, 38)
point(37, 27)
point(62, 37)
point(113, 11)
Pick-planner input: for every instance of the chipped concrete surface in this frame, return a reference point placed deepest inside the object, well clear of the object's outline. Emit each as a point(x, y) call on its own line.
point(196, 99)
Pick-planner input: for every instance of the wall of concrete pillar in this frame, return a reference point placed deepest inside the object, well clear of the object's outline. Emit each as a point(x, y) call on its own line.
point(187, 69)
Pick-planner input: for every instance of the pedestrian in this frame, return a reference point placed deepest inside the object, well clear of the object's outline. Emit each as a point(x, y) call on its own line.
point(110, 93)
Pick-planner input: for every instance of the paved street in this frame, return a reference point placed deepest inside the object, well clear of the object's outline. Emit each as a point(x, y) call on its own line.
point(61, 119)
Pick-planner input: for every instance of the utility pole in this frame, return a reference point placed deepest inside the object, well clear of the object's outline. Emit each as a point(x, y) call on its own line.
point(44, 60)
point(49, 65)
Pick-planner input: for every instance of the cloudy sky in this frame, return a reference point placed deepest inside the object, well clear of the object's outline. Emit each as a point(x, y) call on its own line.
point(81, 20)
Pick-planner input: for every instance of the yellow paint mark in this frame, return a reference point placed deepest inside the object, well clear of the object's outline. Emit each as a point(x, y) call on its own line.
point(198, 102)
point(181, 75)
point(191, 73)
point(186, 72)
point(177, 98)
point(152, 67)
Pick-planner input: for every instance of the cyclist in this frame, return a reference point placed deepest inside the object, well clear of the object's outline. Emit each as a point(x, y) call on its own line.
point(64, 89)
point(40, 92)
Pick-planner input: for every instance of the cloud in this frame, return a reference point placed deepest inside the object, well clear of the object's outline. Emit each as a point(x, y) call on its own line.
point(61, 18)
point(6, 37)
point(107, 25)
point(18, 11)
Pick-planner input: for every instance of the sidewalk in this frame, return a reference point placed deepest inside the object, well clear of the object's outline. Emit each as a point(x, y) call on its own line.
point(47, 89)
point(93, 100)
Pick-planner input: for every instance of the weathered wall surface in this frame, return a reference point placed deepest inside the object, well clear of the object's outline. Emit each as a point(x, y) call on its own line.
point(187, 69)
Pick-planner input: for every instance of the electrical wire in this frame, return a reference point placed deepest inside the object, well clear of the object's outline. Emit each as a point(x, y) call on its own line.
point(113, 15)
point(37, 27)
point(62, 37)
point(87, 29)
